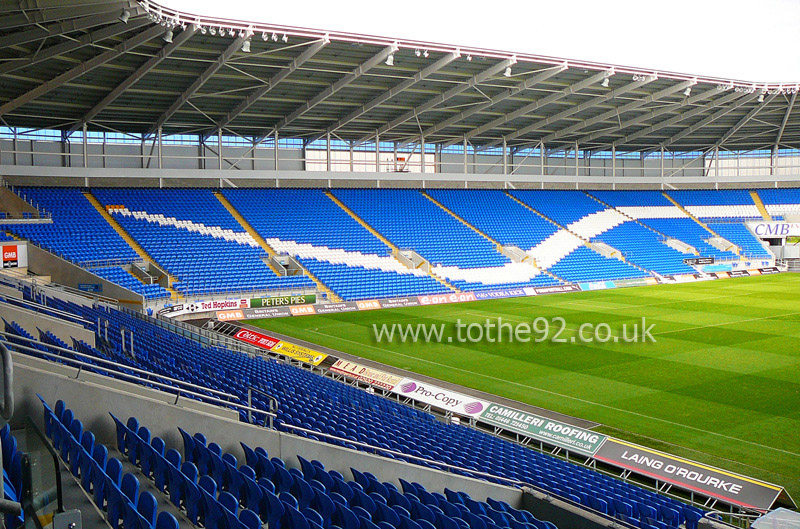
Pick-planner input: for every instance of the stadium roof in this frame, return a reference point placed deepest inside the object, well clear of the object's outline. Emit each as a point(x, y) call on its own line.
point(130, 66)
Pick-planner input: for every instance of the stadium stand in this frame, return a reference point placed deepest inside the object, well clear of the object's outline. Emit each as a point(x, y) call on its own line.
point(78, 232)
point(211, 490)
point(304, 216)
point(349, 238)
point(305, 399)
point(355, 283)
point(645, 248)
point(563, 207)
point(733, 204)
point(654, 210)
point(411, 221)
point(586, 265)
point(178, 226)
point(724, 212)
point(496, 214)
point(332, 245)
point(779, 202)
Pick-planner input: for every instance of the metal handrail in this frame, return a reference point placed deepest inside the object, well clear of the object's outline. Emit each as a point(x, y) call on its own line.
point(141, 381)
point(115, 364)
point(39, 308)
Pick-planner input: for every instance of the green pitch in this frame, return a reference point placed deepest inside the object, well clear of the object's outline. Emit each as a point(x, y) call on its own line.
point(720, 385)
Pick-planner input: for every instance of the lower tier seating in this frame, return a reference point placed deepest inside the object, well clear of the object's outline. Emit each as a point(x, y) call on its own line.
point(326, 407)
point(355, 283)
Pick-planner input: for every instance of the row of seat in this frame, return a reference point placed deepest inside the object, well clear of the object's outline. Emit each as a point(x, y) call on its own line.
point(306, 400)
point(114, 491)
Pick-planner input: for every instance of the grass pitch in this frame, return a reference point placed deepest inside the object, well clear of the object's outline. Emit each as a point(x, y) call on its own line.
point(721, 385)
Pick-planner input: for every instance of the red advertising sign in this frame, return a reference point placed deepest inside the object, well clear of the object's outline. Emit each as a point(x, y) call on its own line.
point(10, 258)
point(256, 338)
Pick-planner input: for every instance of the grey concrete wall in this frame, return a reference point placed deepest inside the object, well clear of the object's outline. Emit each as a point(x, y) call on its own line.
point(30, 320)
point(93, 396)
point(42, 262)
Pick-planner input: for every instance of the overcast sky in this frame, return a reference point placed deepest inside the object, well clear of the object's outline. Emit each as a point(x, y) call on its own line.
point(752, 40)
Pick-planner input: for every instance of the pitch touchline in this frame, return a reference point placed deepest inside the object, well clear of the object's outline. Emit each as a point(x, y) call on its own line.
point(585, 401)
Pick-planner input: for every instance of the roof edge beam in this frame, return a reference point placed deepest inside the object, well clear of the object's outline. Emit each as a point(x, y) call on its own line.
point(274, 81)
point(392, 92)
point(442, 98)
point(788, 113)
point(83, 68)
point(579, 108)
point(747, 117)
point(65, 47)
point(527, 84)
point(338, 85)
point(616, 112)
point(132, 79)
point(536, 105)
point(198, 83)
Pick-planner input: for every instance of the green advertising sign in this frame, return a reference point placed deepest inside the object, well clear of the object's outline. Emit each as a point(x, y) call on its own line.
point(640, 282)
point(547, 430)
point(282, 301)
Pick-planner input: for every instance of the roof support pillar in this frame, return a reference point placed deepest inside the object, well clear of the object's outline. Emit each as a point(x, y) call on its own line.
point(351, 157)
point(614, 160)
point(328, 164)
point(542, 160)
point(377, 153)
point(219, 152)
point(422, 151)
point(465, 155)
point(276, 149)
point(505, 156)
point(85, 154)
point(160, 149)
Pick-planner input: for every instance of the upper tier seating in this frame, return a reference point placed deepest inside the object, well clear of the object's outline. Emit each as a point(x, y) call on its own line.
point(779, 202)
point(411, 221)
point(191, 235)
point(722, 203)
point(78, 232)
point(564, 207)
point(309, 400)
point(497, 215)
point(304, 216)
